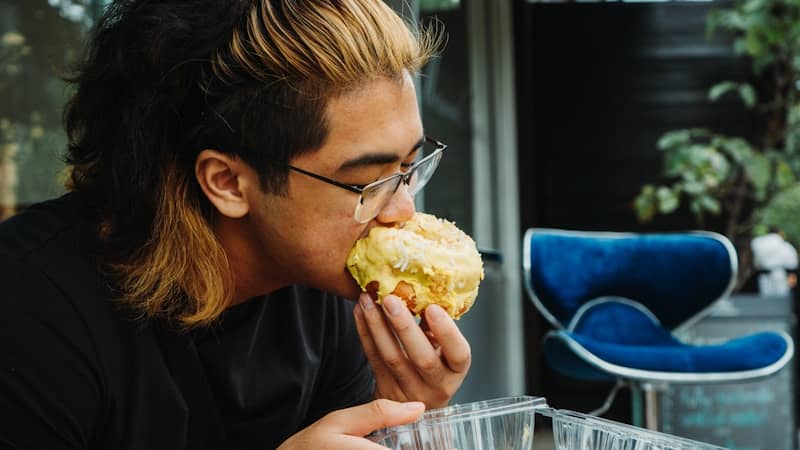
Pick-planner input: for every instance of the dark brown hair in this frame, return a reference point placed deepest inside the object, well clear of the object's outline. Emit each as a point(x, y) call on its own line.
point(164, 79)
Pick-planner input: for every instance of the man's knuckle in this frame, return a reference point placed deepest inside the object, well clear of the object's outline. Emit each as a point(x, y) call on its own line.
point(403, 326)
point(439, 396)
point(465, 359)
point(393, 362)
point(380, 407)
point(428, 363)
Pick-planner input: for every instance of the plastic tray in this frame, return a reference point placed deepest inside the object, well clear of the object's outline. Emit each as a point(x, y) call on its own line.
point(504, 423)
point(508, 424)
point(576, 431)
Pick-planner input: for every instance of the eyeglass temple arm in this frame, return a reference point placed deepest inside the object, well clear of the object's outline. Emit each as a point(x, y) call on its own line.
point(327, 180)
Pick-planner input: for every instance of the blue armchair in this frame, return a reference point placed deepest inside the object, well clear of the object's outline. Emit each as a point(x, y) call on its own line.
point(617, 299)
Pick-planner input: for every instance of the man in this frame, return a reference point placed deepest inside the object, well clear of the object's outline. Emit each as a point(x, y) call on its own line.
point(189, 292)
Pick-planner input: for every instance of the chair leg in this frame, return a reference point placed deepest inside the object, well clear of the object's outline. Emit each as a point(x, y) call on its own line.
point(646, 406)
point(652, 407)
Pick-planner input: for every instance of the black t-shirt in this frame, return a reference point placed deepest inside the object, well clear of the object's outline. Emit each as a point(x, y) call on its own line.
point(77, 372)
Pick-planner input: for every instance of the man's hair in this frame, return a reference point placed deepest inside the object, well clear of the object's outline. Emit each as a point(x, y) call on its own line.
point(164, 79)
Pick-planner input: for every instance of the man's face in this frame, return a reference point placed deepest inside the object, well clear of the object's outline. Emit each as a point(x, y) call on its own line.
point(307, 234)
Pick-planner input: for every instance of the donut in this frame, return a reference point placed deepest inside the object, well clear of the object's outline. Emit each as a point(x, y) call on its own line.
point(424, 261)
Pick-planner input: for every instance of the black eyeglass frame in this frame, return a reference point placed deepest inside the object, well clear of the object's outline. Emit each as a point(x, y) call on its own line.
point(405, 177)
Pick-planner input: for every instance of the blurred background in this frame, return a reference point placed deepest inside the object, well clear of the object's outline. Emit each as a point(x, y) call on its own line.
point(623, 116)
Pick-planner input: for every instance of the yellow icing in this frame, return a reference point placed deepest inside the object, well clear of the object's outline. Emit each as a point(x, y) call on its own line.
point(440, 261)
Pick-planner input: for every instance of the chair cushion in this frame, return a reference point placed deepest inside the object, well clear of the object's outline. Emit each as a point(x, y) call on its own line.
point(626, 334)
point(674, 275)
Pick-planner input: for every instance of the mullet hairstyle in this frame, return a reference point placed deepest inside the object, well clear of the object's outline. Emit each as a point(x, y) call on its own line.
point(164, 79)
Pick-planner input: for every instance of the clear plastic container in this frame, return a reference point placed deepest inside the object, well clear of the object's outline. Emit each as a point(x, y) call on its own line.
point(576, 431)
point(504, 423)
point(508, 424)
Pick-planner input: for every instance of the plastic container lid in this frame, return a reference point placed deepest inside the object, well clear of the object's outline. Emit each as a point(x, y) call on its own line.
point(576, 431)
point(508, 423)
point(500, 423)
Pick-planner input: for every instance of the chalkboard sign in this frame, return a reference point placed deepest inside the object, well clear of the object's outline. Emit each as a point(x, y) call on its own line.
point(758, 415)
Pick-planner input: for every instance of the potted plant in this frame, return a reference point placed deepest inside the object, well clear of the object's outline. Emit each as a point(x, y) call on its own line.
point(730, 176)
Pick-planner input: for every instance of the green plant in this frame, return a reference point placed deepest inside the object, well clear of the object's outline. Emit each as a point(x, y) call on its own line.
point(783, 212)
point(730, 176)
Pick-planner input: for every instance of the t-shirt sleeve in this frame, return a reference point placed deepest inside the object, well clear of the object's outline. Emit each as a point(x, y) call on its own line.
point(50, 387)
point(347, 378)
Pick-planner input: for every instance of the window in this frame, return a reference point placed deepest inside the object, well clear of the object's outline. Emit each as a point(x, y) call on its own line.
point(39, 39)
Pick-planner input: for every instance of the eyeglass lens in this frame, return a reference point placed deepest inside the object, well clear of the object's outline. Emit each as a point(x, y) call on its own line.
point(375, 197)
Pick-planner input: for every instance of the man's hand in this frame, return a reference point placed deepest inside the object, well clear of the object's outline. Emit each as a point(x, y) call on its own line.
point(426, 363)
point(346, 428)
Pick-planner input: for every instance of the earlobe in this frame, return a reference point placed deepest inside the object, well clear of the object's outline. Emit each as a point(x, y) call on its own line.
point(223, 179)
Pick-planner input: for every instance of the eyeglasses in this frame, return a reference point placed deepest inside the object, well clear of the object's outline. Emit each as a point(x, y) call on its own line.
point(376, 195)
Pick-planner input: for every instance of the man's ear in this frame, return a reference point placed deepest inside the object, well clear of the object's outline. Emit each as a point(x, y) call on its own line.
point(226, 182)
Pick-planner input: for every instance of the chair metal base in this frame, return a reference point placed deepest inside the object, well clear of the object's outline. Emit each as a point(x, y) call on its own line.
point(646, 398)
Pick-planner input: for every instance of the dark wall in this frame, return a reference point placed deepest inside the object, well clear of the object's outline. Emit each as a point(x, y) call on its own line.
point(598, 84)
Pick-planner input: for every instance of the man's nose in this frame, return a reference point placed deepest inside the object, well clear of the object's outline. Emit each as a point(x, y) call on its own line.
point(399, 209)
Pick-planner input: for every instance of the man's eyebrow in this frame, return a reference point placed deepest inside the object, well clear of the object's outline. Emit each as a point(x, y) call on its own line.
point(376, 159)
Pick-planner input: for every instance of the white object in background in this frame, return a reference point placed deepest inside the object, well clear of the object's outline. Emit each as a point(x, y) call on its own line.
point(771, 253)
point(773, 283)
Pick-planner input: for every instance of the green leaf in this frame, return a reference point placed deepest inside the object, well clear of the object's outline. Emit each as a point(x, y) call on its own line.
point(737, 148)
point(748, 94)
point(694, 188)
point(667, 200)
point(696, 208)
point(699, 155)
point(752, 6)
point(727, 19)
point(645, 204)
point(710, 181)
point(784, 176)
point(757, 168)
point(673, 164)
point(720, 89)
point(674, 139)
point(753, 43)
point(760, 229)
point(783, 211)
point(709, 204)
point(718, 166)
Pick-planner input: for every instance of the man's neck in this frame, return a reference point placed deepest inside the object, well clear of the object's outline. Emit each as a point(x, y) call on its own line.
point(248, 267)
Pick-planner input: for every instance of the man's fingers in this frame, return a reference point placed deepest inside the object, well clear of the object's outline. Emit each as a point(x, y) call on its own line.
point(417, 345)
point(454, 346)
point(383, 376)
point(364, 419)
point(388, 348)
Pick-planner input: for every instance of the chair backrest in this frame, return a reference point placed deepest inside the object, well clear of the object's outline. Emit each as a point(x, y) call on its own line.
point(674, 275)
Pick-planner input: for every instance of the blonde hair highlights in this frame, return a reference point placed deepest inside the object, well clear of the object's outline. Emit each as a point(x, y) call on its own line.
point(313, 48)
point(182, 272)
point(334, 43)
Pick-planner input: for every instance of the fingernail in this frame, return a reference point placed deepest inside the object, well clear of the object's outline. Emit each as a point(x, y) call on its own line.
point(435, 313)
point(413, 406)
point(392, 305)
point(366, 301)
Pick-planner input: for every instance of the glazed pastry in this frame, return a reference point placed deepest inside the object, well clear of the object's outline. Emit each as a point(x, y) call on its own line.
point(424, 261)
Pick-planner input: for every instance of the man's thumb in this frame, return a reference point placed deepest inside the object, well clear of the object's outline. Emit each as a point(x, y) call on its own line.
point(364, 419)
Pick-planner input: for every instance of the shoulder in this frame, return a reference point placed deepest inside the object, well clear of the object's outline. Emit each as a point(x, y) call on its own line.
point(54, 373)
point(44, 251)
point(33, 296)
point(51, 289)
point(35, 228)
